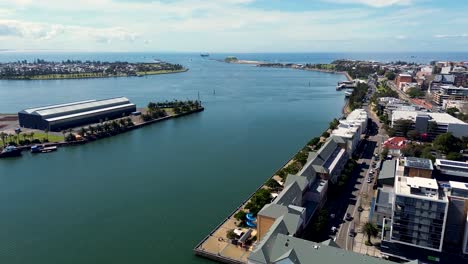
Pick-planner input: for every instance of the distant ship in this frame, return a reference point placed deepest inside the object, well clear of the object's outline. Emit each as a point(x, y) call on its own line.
point(205, 55)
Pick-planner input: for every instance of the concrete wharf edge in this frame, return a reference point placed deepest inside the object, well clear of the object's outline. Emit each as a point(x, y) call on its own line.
point(84, 141)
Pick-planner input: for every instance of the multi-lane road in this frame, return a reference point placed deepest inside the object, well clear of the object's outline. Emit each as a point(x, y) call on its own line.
point(359, 187)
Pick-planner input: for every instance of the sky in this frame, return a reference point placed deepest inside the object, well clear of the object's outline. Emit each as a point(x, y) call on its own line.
point(235, 25)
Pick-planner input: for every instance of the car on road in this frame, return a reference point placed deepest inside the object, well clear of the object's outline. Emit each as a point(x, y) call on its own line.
point(369, 180)
point(348, 217)
point(352, 232)
point(334, 230)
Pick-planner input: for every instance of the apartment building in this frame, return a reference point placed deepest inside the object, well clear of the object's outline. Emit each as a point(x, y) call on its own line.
point(450, 92)
point(431, 124)
point(419, 213)
point(350, 129)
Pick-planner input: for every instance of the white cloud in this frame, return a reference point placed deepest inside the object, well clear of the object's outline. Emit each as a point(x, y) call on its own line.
point(442, 36)
point(374, 3)
point(401, 37)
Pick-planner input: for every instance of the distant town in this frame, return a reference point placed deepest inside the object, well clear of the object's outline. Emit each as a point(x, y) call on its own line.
point(386, 183)
point(73, 69)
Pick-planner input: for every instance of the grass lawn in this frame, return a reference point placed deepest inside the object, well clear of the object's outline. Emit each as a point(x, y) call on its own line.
point(160, 72)
point(169, 111)
point(52, 137)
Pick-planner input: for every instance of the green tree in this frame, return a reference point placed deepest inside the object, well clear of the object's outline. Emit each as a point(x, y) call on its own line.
point(384, 152)
point(426, 153)
point(447, 143)
point(414, 92)
point(46, 131)
point(258, 200)
point(402, 126)
point(3, 136)
point(272, 183)
point(322, 221)
point(314, 141)
point(455, 156)
point(413, 134)
point(370, 230)
point(240, 216)
point(390, 75)
point(452, 111)
point(230, 234)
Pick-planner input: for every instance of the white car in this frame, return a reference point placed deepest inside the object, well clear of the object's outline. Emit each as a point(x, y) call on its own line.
point(369, 180)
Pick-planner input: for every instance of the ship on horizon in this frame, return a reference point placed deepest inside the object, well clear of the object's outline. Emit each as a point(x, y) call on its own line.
point(204, 54)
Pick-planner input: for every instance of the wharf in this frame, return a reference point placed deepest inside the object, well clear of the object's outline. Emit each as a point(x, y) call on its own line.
point(87, 140)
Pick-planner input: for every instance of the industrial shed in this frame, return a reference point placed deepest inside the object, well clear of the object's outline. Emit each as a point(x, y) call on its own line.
point(63, 116)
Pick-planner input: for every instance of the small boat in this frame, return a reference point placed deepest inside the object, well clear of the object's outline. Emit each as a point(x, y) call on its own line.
point(49, 149)
point(205, 55)
point(10, 151)
point(348, 94)
point(42, 149)
point(36, 149)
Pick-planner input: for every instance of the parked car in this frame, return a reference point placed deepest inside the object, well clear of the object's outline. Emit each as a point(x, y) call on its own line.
point(348, 217)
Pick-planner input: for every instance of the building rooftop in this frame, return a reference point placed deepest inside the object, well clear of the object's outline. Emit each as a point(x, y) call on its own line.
point(286, 249)
point(388, 170)
point(418, 163)
point(101, 110)
point(419, 187)
point(300, 180)
point(358, 114)
point(62, 109)
point(346, 130)
point(451, 164)
point(442, 118)
point(418, 182)
point(395, 143)
point(290, 195)
point(459, 185)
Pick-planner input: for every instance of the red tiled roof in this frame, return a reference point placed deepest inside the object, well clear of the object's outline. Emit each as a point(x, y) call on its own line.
point(395, 143)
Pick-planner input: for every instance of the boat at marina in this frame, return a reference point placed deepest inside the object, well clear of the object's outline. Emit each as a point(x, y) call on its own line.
point(10, 151)
point(42, 149)
point(348, 93)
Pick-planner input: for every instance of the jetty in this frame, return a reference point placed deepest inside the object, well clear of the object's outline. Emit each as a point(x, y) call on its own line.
point(346, 85)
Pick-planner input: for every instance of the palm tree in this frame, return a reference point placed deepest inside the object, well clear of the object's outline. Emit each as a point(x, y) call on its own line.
point(18, 132)
point(32, 136)
point(82, 132)
point(46, 131)
point(3, 136)
point(371, 231)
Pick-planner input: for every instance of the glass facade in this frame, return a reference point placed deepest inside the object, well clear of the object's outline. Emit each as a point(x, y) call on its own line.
point(418, 221)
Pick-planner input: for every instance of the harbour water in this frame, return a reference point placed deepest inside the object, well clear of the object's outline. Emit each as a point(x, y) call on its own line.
point(150, 195)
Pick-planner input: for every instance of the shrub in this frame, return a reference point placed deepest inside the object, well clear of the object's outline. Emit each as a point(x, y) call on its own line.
point(272, 183)
point(325, 134)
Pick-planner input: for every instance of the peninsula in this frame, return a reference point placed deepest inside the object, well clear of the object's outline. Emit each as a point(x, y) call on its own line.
point(76, 69)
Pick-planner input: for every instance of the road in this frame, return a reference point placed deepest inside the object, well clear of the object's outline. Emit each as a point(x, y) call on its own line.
point(360, 188)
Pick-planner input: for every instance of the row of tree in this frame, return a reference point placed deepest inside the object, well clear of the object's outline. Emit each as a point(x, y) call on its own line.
point(102, 129)
point(16, 140)
point(158, 110)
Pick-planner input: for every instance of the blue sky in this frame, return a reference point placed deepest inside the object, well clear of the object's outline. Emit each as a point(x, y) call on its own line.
point(235, 25)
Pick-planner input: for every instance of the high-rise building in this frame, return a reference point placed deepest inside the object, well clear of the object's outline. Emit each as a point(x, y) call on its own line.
point(419, 213)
